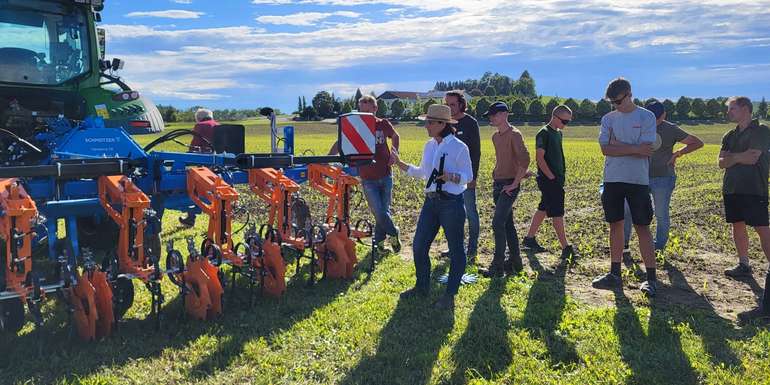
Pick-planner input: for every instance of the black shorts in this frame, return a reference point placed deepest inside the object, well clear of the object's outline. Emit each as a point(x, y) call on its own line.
point(751, 209)
point(638, 197)
point(551, 197)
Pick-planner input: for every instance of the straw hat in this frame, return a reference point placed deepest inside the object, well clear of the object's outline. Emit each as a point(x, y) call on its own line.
point(438, 112)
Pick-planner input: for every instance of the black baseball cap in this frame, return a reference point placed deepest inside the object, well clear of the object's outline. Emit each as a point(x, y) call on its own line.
point(496, 107)
point(656, 108)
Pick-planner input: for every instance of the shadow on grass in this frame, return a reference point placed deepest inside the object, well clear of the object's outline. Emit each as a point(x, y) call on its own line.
point(654, 358)
point(713, 329)
point(545, 306)
point(484, 348)
point(51, 354)
point(408, 346)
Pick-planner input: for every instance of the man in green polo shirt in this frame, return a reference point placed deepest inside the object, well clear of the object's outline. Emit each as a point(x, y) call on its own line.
point(745, 159)
point(551, 172)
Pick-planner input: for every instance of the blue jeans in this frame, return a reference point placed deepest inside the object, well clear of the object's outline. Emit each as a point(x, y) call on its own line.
point(447, 213)
point(378, 196)
point(661, 189)
point(472, 214)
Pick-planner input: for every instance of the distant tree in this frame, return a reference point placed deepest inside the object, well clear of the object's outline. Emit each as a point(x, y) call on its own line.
point(670, 108)
point(476, 92)
point(683, 108)
point(537, 109)
point(762, 109)
point(382, 108)
point(587, 109)
point(698, 108)
point(397, 109)
point(551, 105)
point(573, 105)
point(490, 91)
point(309, 113)
point(304, 103)
point(603, 107)
point(713, 109)
point(481, 107)
point(347, 107)
point(427, 104)
point(299, 104)
point(358, 96)
point(638, 102)
point(323, 103)
point(525, 86)
point(518, 109)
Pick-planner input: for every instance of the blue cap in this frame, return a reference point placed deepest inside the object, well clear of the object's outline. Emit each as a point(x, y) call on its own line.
point(656, 108)
point(496, 107)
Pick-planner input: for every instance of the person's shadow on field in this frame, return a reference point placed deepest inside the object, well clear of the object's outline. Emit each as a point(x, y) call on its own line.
point(655, 357)
point(408, 346)
point(712, 328)
point(545, 306)
point(484, 348)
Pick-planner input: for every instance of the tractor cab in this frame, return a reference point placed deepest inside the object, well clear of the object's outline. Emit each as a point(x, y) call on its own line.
point(52, 65)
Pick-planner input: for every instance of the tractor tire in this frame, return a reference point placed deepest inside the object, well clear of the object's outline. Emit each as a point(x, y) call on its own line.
point(11, 315)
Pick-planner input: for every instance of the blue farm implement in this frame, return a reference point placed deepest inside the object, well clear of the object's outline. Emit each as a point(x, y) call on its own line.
point(97, 180)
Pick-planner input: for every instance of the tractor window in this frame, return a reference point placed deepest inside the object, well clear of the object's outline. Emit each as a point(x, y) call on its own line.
point(41, 47)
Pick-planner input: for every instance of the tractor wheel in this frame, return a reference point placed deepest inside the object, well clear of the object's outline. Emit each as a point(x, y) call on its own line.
point(122, 296)
point(11, 315)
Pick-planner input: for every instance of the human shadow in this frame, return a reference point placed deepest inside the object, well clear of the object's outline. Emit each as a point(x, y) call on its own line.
point(484, 348)
point(654, 358)
point(408, 346)
point(713, 329)
point(545, 307)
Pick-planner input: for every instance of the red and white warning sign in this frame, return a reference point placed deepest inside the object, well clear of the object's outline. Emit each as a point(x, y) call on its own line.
point(357, 134)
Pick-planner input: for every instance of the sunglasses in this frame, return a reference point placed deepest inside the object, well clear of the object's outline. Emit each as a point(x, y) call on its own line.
point(564, 121)
point(618, 101)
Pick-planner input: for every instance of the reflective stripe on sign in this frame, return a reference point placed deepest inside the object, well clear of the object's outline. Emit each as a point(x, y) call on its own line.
point(357, 136)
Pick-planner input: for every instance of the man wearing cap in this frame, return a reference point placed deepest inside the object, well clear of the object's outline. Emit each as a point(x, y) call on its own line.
point(376, 178)
point(446, 165)
point(662, 170)
point(467, 130)
point(511, 162)
point(744, 157)
point(626, 139)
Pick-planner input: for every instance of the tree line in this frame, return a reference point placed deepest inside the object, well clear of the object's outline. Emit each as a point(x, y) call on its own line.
point(171, 114)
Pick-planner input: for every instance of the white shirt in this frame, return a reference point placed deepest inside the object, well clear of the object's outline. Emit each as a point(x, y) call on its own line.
point(458, 161)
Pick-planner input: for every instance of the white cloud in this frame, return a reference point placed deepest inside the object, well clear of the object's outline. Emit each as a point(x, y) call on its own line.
point(304, 18)
point(182, 1)
point(169, 14)
point(452, 30)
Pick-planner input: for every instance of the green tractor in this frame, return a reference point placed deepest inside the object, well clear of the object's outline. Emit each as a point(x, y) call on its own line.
point(52, 64)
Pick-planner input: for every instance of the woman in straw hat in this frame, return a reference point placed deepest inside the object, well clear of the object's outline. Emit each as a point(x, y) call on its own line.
point(446, 165)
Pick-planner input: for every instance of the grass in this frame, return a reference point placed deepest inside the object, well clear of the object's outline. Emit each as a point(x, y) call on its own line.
point(545, 326)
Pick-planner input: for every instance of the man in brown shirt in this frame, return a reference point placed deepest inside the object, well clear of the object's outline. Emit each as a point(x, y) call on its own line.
point(511, 162)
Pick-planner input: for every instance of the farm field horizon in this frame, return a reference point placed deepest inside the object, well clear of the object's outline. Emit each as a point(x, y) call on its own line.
point(544, 326)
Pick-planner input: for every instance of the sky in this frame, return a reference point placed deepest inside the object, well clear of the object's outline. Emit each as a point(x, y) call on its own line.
point(249, 53)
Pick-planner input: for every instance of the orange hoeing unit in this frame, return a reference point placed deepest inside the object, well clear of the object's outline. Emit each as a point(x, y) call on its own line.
point(276, 189)
point(19, 210)
point(335, 184)
point(125, 204)
point(215, 197)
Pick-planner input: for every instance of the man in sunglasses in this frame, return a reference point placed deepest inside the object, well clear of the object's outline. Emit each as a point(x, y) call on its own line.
point(550, 180)
point(626, 137)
